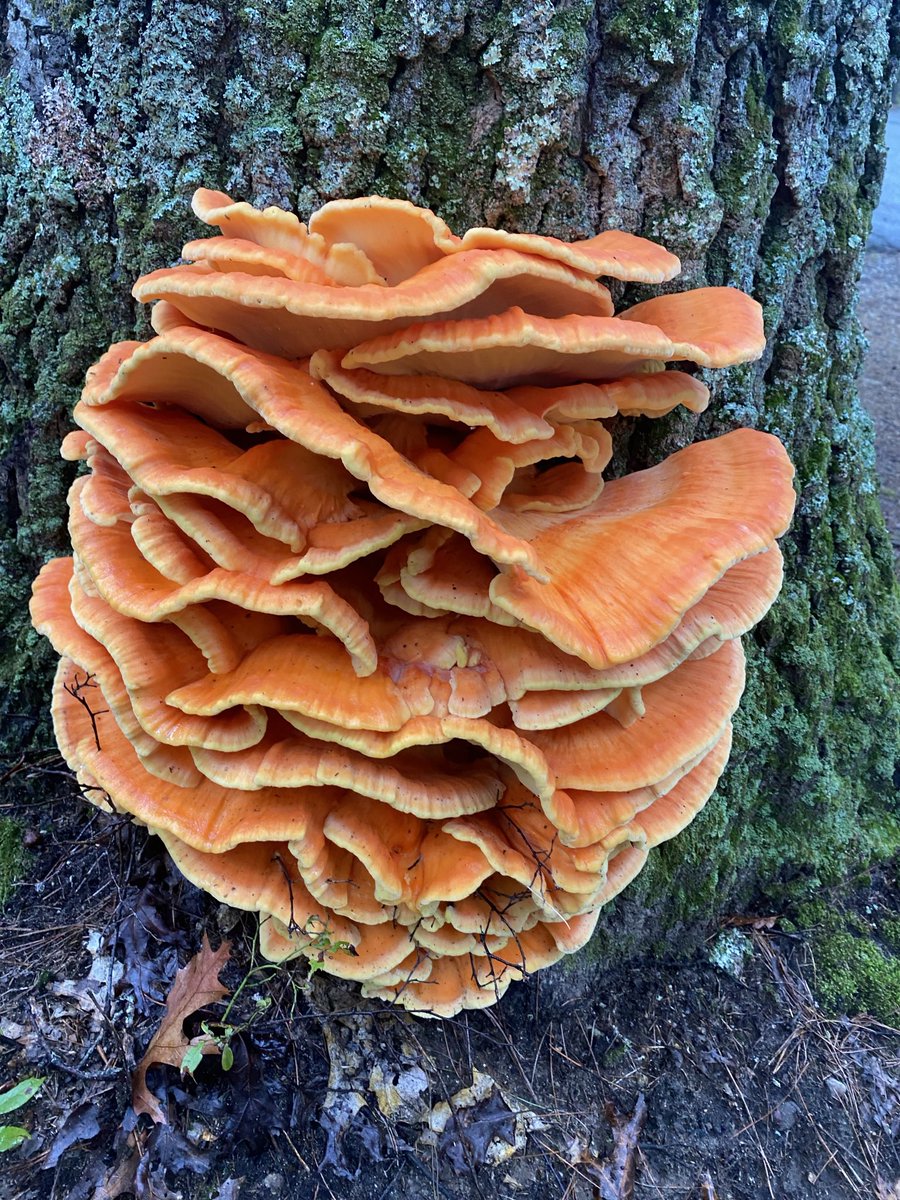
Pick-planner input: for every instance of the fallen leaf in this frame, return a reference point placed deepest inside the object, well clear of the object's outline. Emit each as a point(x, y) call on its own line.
point(707, 1187)
point(881, 1105)
point(118, 1180)
point(229, 1190)
point(81, 1125)
point(751, 921)
point(12, 1136)
point(338, 1127)
point(614, 1177)
point(150, 1183)
point(470, 1131)
point(344, 1107)
point(150, 946)
point(477, 1126)
point(195, 986)
point(255, 1103)
point(168, 1150)
point(92, 994)
point(18, 1095)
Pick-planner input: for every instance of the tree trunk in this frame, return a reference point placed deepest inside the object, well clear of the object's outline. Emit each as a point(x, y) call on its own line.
point(745, 136)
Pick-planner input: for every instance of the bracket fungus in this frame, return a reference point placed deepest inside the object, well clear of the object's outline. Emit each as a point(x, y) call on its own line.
point(354, 623)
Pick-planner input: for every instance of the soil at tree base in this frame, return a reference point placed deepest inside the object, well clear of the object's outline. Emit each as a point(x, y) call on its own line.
point(745, 1078)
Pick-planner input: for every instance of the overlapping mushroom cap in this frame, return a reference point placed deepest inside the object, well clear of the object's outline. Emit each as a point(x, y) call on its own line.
point(353, 622)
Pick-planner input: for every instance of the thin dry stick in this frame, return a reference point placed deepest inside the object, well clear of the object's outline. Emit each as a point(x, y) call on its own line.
point(759, 1146)
point(75, 689)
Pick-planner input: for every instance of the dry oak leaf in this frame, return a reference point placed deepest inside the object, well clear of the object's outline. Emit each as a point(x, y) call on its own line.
point(195, 986)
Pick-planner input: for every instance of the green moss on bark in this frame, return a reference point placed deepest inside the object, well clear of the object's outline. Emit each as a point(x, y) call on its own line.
point(854, 975)
point(663, 33)
point(857, 968)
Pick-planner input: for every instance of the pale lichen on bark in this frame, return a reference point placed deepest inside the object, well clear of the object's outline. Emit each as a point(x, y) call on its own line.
point(746, 135)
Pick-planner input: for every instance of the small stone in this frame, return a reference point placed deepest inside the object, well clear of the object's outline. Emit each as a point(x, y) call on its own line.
point(274, 1183)
point(195, 1133)
point(226, 918)
point(837, 1089)
point(785, 1115)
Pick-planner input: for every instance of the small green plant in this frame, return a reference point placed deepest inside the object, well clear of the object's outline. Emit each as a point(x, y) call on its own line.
point(213, 1035)
point(321, 944)
point(217, 1036)
point(16, 1097)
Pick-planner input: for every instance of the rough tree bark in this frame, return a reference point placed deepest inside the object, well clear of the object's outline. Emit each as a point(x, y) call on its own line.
point(744, 134)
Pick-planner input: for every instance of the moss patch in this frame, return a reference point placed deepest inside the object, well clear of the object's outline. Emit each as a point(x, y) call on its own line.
point(661, 33)
point(855, 975)
point(890, 931)
point(857, 960)
point(12, 856)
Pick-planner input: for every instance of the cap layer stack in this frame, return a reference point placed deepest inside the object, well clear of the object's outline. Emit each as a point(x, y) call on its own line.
point(352, 620)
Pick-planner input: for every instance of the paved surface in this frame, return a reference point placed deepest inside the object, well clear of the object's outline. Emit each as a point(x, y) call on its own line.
point(886, 223)
point(879, 308)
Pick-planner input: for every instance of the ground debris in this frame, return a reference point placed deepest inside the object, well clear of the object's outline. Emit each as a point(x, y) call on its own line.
point(614, 1177)
point(143, 1161)
point(399, 1091)
point(229, 1189)
point(881, 1103)
point(150, 946)
point(170, 1149)
point(150, 1182)
point(469, 1137)
point(477, 1127)
point(707, 1187)
point(750, 921)
point(93, 993)
point(196, 986)
point(345, 1107)
point(254, 1103)
point(747, 1077)
point(118, 1180)
point(81, 1125)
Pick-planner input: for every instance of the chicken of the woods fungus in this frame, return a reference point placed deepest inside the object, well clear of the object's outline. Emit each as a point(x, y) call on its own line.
point(352, 620)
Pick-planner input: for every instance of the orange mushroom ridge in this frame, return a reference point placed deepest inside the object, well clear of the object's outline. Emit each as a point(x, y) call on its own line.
point(352, 621)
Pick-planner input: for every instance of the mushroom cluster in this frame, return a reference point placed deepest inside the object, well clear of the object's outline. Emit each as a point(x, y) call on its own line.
point(353, 622)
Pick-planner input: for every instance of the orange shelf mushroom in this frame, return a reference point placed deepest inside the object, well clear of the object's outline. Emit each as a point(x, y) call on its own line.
point(353, 621)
